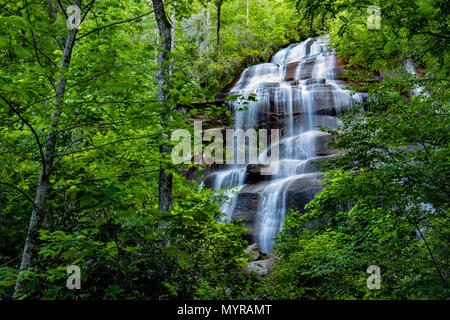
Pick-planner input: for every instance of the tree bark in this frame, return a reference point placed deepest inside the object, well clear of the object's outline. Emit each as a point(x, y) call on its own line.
point(208, 26)
point(219, 8)
point(31, 241)
point(173, 19)
point(164, 71)
point(247, 10)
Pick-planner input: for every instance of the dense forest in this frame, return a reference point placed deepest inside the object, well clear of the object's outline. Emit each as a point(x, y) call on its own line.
point(92, 90)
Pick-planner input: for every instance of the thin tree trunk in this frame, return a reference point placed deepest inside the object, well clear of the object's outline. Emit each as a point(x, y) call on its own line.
point(173, 18)
point(247, 10)
point(164, 71)
point(219, 8)
point(208, 26)
point(37, 213)
point(208, 19)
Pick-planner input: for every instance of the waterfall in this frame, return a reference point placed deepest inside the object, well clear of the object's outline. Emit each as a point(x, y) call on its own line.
point(411, 70)
point(296, 92)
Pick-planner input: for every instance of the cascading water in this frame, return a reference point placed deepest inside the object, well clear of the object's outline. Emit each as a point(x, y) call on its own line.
point(297, 92)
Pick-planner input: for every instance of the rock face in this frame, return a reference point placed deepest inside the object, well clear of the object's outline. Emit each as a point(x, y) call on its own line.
point(323, 99)
point(313, 165)
point(297, 92)
point(253, 173)
point(297, 193)
point(246, 210)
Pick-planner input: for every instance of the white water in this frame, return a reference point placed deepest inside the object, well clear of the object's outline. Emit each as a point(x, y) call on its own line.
point(303, 99)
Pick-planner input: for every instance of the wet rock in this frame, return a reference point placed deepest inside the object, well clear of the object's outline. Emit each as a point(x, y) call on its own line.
point(254, 251)
point(224, 178)
point(313, 165)
point(221, 97)
point(261, 268)
point(246, 210)
point(299, 191)
point(253, 173)
point(209, 180)
point(306, 68)
point(319, 97)
point(314, 81)
point(291, 69)
point(273, 120)
point(316, 142)
point(322, 147)
point(302, 190)
point(269, 85)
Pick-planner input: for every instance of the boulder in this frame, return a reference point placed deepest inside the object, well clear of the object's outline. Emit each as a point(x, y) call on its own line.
point(261, 268)
point(254, 251)
point(303, 190)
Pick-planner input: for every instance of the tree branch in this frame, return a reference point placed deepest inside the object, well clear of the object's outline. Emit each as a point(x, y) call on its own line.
point(89, 6)
point(441, 36)
point(41, 150)
point(18, 189)
point(62, 9)
point(113, 24)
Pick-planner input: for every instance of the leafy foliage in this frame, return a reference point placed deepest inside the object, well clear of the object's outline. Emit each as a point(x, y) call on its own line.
point(386, 197)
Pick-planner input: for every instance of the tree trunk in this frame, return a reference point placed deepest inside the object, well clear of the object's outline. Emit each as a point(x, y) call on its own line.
point(219, 7)
point(164, 71)
point(207, 26)
point(37, 213)
point(247, 10)
point(173, 19)
point(208, 19)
